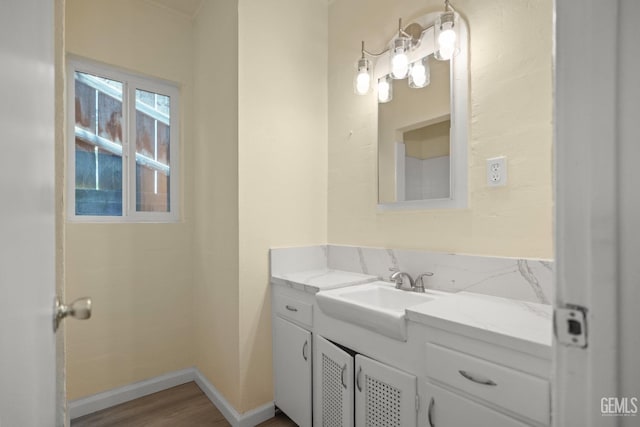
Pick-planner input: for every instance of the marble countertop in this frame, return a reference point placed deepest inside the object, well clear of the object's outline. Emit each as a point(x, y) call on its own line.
point(519, 325)
point(322, 279)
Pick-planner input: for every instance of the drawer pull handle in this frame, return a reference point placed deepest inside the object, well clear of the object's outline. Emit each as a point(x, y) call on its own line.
point(432, 403)
point(304, 350)
point(483, 381)
point(344, 371)
point(358, 379)
point(291, 308)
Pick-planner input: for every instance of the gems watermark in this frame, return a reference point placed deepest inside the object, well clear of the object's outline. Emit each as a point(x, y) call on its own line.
point(619, 406)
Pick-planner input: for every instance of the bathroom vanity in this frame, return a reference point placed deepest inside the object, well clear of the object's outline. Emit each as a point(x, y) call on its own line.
point(461, 359)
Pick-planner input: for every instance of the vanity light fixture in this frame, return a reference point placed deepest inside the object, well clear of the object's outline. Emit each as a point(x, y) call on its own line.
point(403, 49)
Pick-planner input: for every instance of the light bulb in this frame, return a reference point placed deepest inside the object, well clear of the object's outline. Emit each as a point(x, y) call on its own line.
point(446, 37)
point(399, 60)
point(362, 82)
point(419, 75)
point(385, 90)
point(447, 43)
point(399, 65)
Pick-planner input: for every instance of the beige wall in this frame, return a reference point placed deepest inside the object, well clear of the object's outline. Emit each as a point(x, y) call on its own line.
point(282, 159)
point(511, 101)
point(216, 292)
point(139, 275)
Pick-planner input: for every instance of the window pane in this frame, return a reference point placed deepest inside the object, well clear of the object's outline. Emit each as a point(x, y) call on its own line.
point(98, 148)
point(152, 152)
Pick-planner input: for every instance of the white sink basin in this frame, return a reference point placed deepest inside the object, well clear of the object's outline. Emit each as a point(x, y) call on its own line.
point(377, 306)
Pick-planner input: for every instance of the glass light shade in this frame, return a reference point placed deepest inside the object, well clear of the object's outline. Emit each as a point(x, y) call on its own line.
point(363, 77)
point(446, 36)
point(385, 89)
point(420, 73)
point(399, 61)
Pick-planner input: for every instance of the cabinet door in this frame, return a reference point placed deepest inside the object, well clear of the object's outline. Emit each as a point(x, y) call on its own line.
point(292, 370)
point(385, 396)
point(447, 409)
point(333, 385)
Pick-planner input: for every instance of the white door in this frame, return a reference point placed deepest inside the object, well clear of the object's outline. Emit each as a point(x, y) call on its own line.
point(385, 396)
point(597, 105)
point(292, 370)
point(27, 276)
point(333, 385)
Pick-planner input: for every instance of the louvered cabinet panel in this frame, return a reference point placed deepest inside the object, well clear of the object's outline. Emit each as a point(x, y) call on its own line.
point(333, 385)
point(385, 396)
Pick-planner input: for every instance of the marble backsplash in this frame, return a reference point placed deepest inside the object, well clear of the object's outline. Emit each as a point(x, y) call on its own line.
point(514, 278)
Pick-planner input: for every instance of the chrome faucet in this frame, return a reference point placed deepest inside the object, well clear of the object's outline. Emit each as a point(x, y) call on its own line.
point(414, 285)
point(398, 277)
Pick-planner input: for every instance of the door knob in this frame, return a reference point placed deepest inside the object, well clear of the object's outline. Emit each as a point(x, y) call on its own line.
point(79, 309)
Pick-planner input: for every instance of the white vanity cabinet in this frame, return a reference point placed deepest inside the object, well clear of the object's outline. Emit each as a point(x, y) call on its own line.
point(292, 320)
point(384, 396)
point(295, 356)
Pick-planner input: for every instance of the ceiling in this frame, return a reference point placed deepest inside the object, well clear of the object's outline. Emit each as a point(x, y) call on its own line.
point(184, 7)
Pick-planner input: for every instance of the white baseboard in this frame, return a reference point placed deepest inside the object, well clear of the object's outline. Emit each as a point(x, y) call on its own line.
point(116, 396)
point(248, 419)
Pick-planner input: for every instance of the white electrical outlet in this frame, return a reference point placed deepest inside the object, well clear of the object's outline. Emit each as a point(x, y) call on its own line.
point(497, 171)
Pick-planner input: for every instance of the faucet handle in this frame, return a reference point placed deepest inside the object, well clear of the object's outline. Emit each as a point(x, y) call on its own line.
point(420, 281)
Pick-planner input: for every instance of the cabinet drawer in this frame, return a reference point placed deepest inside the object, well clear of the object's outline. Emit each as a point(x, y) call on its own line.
point(293, 309)
point(513, 390)
point(446, 409)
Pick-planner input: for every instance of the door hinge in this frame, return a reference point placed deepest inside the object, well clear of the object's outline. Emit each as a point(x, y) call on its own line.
point(570, 325)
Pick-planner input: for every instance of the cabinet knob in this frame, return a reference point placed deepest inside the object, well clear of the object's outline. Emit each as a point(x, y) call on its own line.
point(304, 350)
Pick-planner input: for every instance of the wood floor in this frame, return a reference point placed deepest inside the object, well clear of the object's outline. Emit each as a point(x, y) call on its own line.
point(184, 405)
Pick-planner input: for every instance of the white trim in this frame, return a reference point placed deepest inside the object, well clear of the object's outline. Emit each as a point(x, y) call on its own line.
point(116, 396)
point(248, 419)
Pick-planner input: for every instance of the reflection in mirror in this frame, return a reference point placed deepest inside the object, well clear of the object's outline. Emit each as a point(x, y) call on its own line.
point(426, 162)
point(414, 140)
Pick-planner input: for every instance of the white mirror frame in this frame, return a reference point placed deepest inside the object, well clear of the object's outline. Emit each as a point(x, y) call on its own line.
point(458, 140)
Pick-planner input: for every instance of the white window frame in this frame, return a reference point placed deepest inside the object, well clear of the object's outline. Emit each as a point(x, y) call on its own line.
point(130, 82)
